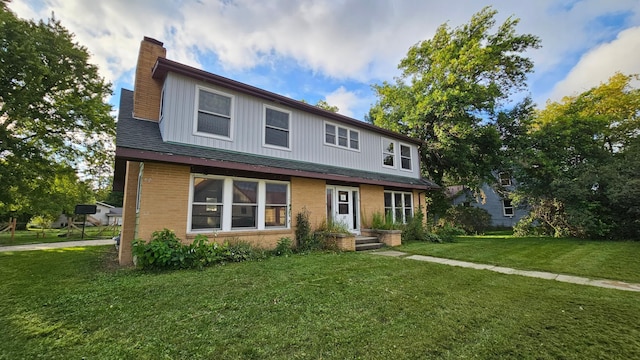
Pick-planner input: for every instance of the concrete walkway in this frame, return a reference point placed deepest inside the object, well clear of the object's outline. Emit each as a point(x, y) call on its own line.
point(610, 284)
point(56, 245)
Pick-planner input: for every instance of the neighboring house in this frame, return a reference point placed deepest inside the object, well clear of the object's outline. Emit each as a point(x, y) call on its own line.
point(105, 215)
point(198, 153)
point(101, 215)
point(503, 212)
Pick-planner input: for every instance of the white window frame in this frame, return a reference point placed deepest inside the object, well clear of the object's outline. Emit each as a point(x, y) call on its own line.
point(337, 141)
point(227, 204)
point(402, 206)
point(385, 153)
point(197, 109)
point(264, 128)
point(505, 207)
point(410, 169)
point(504, 181)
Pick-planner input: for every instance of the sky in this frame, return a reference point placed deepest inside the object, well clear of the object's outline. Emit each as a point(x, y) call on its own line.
point(336, 49)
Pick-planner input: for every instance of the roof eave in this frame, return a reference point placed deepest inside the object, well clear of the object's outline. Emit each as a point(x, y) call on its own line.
point(131, 154)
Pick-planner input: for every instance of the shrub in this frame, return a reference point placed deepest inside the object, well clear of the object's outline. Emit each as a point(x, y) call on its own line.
point(165, 251)
point(305, 239)
point(284, 247)
point(471, 219)
point(448, 233)
point(380, 222)
point(414, 229)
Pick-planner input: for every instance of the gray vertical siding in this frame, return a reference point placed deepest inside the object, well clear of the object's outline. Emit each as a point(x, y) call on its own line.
point(306, 131)
point(493, 204)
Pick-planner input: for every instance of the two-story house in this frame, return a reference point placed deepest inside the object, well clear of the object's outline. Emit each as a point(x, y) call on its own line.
point(494, 199)
point(202, 154)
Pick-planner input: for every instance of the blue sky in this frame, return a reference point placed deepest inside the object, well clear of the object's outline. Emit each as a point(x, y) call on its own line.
point(336, 49)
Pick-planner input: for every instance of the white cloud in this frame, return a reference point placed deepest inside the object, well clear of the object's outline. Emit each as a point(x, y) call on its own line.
point(348, 39)
point(344, 100)
point(354, 104)
point(599, 64)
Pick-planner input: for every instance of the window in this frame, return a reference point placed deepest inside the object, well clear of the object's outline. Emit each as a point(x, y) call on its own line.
point(330, 134)
point(507, 207)
point(206, 205)
point(275, 211)
point(245, 204)
point(354, 141)
point(505, 179)
point(405, 157)
point(214, 113)
point(162, 104)
point(388, 153)
point(341, 136)
point(398, 205)
point(226, 203)
point(139, 190)
point(276, 127)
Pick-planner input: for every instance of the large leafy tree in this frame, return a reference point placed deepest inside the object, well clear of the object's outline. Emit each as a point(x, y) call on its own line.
point(578, 163)
point(451, 93)
point(53, 113)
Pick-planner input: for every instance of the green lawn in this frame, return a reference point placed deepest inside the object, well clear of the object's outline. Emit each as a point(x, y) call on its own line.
point(74, 303)
point(616, 260)
point(35, 236)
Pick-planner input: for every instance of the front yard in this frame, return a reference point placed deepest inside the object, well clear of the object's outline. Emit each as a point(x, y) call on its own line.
point(74, 303)
point(617, 260)
point(34, 236)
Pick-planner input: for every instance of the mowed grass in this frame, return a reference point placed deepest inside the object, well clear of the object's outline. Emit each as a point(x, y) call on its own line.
point(34, 236)
point(616, 260)
point(74, 303)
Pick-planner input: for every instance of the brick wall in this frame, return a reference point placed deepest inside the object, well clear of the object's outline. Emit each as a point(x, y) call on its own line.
point(127, 234)
point(164, 199)
point(371, 201)
point(147, 91)
point(312, 195)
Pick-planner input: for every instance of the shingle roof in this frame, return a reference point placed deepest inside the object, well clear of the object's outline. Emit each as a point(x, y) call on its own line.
point(141, 140)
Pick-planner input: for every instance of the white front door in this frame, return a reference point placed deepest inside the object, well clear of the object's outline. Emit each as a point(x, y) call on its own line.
point(343, 206)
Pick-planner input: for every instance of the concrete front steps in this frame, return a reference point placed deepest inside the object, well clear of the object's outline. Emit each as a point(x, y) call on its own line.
point(367, 243)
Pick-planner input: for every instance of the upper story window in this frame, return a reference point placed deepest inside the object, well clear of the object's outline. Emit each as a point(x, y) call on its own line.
point(276, 127)
point(341, 136)
point(507, 208)
point(505, 179)
point(388, 153)
point(405, 157)
point(214, 113)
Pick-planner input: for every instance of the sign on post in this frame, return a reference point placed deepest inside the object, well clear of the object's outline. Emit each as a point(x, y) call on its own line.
point(85, 209)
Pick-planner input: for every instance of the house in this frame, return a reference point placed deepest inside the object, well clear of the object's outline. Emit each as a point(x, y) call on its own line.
point(492, 199)
point(202, 154)
point(105, 215)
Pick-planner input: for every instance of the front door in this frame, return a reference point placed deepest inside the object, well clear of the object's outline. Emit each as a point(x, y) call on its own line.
point(343, 206)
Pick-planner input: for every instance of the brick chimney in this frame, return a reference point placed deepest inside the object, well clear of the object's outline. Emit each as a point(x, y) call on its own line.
point(147, 91)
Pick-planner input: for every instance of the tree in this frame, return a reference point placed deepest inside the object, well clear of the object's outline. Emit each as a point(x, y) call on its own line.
point(450, 93)
point(578, 163)
point(53, 114)
point(324, 105)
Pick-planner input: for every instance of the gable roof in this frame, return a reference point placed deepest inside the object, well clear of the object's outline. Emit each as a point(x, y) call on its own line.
point(163, 66)
point(140, 140)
